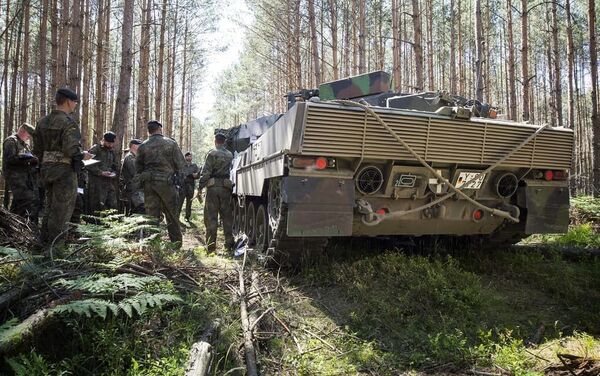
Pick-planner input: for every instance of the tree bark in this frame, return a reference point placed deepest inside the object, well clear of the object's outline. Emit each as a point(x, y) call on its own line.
point(63, 43)
point(571, 64)
point(25, 66)
point(43, 43)
point(334, 38)
point(418, 46)
point(75, 51)
point(478, 52)
point(525, 60)
point(396, 71)
point(98, 118)
point(512, 75)
point(314, 44)
point(143, 78)
point(119, 124)
point(594, 74)
point(161, 62)
point(362, 46)
point(181, 107)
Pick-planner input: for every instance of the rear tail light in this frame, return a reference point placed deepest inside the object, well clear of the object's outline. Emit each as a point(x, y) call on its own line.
point(319, 163)
point(549, 175)
point(477, 214)
point(561, 175)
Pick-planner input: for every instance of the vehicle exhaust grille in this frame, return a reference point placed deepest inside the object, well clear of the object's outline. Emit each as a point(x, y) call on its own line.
point(339, 132)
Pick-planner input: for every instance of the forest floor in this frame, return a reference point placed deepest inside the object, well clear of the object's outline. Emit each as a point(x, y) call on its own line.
point(121, 307)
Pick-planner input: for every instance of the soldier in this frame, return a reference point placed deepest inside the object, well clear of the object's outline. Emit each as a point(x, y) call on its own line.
point(158, 161)
point(132, 192)
point(190, 173)
point(215, 177)
point(57, 142)
point(19, 172)
point(103, 194)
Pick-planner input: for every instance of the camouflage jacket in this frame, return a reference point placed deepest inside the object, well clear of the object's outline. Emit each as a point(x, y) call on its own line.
point(128, 173)
point(14, 164)
point(107, 158)
point(188, 170)
point(57, 138)
point(159, 158)
point(216, 165)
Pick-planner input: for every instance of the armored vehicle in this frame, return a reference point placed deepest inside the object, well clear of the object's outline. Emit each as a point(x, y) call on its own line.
point(354, 159)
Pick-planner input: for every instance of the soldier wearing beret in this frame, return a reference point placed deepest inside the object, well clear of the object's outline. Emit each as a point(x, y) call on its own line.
point(102, 176)
point(57, 142)
point(158, 161)
point(20, 174)
point(190, 173)
point(131, 191)
point(215, 177)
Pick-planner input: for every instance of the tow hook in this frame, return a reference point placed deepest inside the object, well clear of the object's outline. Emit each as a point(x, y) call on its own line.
point(369, 218)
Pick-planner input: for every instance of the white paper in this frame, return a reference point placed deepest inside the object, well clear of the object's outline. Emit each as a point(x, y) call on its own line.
point(80, 191)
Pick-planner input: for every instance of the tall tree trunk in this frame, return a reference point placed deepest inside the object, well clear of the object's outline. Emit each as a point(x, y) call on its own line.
point(98, 120)
point(595, 120)
point(431, 73)
point(453, 76)
point(63, 43)
point(334, 38)
point(418, 46)
point(362, 30)
point(478, 52)
point(107, 99)
point(161, 63)
point(397, 72)
point(119, 124)
point(557, 66)
point(571, 63)
point(171, 94)
point(25, 68)
point(54, 21)
point(143, 78)
point(525, 59)
point(42, 59)
point(297, 41)
point(14, 79)
point(75, 51)
point(87, 77)
point(182, 131)
point(512, 74)
point(313, 39)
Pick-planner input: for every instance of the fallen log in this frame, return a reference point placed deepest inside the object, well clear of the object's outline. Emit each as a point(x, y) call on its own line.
point(12, 338)
point(201, 354)
point(250, 354)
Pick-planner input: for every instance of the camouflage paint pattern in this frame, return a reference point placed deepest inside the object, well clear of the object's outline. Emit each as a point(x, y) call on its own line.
point(20, 177)
point(357, 86)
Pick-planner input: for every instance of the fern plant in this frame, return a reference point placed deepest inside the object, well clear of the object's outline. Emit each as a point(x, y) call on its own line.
point(97, 283)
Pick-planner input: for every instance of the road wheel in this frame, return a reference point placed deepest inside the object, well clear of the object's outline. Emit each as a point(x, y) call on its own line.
point(276, 210)
point(251, 223)
point(237, 218)
point(261, 228)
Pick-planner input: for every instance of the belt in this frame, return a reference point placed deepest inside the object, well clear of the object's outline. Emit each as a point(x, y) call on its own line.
point(55, 157)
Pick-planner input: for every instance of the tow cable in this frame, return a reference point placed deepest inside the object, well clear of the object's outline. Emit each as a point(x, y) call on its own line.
point(372, 218)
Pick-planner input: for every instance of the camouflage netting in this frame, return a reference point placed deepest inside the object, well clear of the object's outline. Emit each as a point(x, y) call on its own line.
point(15, 231)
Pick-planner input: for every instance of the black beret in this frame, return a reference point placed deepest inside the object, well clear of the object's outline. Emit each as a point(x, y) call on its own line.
point(110, 136)
point(66, 92)
point(135, 141)
point(188, 153)
point(155, 123)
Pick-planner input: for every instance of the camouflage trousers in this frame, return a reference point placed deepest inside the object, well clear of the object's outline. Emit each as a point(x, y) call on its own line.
point(25, 198)
point(102, 194)
point(218, 202)
point(186, 195)
point(60, 184)
point(161, 197)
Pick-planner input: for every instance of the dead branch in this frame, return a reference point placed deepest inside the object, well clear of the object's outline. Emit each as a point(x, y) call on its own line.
point(201, 353)
point(251, 366)
point(24, 331)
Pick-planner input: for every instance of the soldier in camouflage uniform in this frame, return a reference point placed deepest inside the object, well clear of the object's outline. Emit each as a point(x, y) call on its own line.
point(131, 190)
point(190, 173)
point(19, 171)
point(57, 142)
point(101, 184)
point(158, 161)
point(215, 177)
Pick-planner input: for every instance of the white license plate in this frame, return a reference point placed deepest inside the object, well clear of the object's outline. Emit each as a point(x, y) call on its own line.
point(471, 178)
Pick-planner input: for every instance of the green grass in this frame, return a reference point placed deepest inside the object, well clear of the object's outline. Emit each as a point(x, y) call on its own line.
point(391, 313)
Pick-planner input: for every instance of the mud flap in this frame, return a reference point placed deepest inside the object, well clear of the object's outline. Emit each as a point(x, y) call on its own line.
point(547, 208)
point(318, 206)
